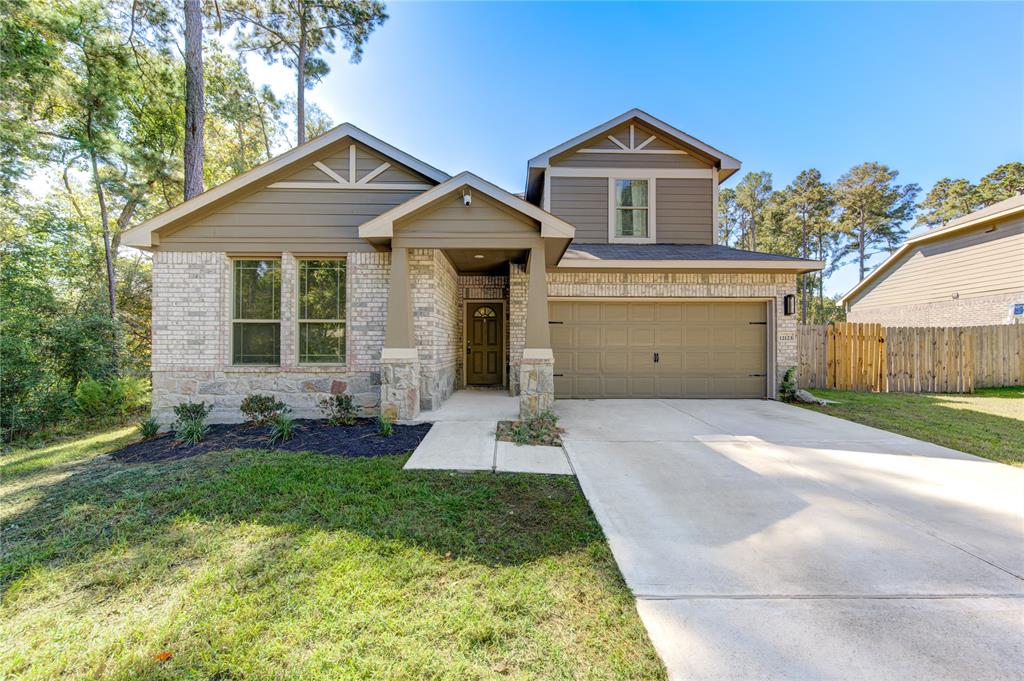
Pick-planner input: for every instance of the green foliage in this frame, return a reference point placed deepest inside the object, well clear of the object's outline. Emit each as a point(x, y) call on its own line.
point(540, 430)
point(111, 397)
point(788, 387)
point(260, 409)
point(192, 411)
point(148, 428)
point(282, 427)
point(191, 431)
point(385, 426)
point(339, 410)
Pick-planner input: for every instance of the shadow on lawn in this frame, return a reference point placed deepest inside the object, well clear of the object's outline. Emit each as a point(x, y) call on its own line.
point(490, 519)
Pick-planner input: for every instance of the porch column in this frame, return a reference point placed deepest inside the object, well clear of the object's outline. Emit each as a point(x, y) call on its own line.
point(536, 373)
point(399, 360)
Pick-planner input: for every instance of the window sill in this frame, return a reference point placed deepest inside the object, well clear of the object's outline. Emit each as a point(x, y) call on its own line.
point(294, 369)
point(631, 240)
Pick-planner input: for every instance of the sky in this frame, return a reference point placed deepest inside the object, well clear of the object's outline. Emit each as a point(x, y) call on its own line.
point(932, 90)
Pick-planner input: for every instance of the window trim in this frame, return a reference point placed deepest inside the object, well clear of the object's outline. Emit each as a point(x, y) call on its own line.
point(297, 328)
point(652, 223)
point(232, 320)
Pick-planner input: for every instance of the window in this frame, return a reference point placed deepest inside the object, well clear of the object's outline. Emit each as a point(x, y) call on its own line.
point(256, 312)
point(632, 209)
point(485, 313)
point(321, 311)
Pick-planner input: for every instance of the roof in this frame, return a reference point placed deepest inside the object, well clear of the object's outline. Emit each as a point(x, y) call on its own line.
point(142, 235)
point(551, 226)
point(997, 211)
point(728, 165)
point(682, 256)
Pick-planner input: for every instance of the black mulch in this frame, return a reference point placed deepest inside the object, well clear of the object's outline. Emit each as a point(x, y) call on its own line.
point(310, 435)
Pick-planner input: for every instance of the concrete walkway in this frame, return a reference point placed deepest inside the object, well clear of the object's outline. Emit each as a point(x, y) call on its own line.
point(767, 541)
point(463, 438)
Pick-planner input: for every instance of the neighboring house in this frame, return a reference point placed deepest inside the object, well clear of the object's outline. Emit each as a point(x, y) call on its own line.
point(348, 266)
point(968, 272)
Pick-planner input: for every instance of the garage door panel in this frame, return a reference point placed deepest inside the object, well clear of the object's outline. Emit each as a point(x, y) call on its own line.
point(705, 349)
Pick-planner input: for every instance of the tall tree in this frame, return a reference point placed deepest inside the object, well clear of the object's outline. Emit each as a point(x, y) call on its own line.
point(752, 195)
point(195, 107)
point(1005, 181)
point(873, 208)
point(948, 200)
point(730, 217)
point(810, 203)
point(295, 32)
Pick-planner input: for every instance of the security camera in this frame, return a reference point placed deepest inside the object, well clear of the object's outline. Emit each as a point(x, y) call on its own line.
point(467, 199)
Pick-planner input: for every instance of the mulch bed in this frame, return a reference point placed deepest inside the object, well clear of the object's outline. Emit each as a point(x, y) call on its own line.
point(311, 435)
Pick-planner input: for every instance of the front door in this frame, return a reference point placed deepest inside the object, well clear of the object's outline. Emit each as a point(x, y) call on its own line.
point(484, 343)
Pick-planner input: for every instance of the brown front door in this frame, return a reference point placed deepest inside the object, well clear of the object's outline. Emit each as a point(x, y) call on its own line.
point(484, 343)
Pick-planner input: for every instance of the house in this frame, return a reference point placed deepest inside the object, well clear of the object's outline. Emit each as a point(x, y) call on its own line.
point(349, 266)
point(969, 272)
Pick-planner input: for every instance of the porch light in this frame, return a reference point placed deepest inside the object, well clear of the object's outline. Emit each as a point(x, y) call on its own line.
point(479, 256)
point(789, 304)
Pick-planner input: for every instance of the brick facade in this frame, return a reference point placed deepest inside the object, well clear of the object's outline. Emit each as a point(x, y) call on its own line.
point(982, 311)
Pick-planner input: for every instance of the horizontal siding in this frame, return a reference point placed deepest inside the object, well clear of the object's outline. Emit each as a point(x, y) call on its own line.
point(637, 160)
point(582, 202)
point(451, 218)
point(976, 264)
point(683, 210)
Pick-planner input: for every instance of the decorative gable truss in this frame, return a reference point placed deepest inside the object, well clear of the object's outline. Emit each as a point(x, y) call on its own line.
point(337, 181)
point(633, 144)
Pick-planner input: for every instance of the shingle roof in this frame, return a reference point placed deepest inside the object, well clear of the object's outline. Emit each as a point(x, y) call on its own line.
point(670, 252)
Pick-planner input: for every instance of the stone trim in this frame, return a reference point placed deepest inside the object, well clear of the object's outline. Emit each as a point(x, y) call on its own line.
point(537, 382)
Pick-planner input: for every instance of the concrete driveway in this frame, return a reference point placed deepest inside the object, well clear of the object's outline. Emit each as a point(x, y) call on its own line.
point(767, 541)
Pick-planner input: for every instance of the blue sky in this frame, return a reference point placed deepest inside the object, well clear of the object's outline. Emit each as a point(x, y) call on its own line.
point(933, 90)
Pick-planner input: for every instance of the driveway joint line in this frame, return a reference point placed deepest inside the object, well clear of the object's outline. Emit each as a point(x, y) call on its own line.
point(823, 597)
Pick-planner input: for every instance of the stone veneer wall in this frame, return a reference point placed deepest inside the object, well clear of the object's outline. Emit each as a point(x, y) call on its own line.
point(191, 356)
point(435, 300)
point(982, 311)
point(660, 285)
point(477, 287)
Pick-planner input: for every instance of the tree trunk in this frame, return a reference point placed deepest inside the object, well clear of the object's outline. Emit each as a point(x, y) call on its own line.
point(860, 248)
point(104, 221)
point(195, 109)
point(821, 278)
point(300, 98)
point(803, 277)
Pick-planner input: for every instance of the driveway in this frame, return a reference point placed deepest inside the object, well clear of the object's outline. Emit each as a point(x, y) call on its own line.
point(767, 541)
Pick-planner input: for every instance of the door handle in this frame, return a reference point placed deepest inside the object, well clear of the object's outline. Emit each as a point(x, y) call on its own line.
point(469, 348)
point(657, 358)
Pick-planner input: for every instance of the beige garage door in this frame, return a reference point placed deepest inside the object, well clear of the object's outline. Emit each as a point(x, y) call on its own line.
point(659, 349)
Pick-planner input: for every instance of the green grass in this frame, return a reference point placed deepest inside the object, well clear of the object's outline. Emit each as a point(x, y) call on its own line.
point(269, 565)
point(988, 423)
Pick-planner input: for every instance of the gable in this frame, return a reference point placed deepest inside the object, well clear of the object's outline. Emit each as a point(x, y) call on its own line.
point(484, 218)
point(632, 144)
point(353, 164)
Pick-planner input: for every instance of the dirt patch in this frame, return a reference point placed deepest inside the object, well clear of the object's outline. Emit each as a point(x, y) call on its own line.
point(311, 435)
point(538, 431)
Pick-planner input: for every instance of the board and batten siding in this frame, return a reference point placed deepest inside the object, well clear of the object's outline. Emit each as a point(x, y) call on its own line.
point(977, 264)
point(298, 220)
point(683, 209)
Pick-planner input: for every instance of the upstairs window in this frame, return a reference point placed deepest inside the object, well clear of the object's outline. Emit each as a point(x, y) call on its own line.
point(321, 311)
point(632, 209)
point(256, 312)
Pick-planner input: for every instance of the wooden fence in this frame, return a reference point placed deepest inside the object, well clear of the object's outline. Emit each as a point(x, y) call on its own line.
point(850, 356)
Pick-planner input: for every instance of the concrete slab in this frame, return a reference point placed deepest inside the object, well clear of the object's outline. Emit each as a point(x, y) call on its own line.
point(630, 421)
point(474, 405)
point(513, 458)
point(855, 639)
point(456, 445)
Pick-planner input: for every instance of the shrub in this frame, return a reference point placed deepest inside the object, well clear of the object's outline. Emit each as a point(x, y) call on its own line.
point(192, 411)
point(520, 433)
point(191, 431)
point(385, 426)
point(282, 427)
point(261, 409)
point(788, 388)
point(113, 397)
point(148, 428)
point(339, 410)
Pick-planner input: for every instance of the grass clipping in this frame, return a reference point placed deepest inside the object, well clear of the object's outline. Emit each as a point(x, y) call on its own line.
point(540, 430)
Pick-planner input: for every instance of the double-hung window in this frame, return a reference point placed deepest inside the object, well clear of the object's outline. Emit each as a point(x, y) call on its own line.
point(321, 311)
point(632, 209)
point(256, 312)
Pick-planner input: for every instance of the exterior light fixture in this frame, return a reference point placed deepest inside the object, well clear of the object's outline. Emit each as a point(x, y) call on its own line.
point(789, 304)
point(467, 198)
point(479, 256)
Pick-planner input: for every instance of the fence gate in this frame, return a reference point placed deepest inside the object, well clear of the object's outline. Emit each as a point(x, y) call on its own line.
point(856, 357)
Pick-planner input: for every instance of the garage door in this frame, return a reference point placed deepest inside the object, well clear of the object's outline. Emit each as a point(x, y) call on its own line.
point(659, 349)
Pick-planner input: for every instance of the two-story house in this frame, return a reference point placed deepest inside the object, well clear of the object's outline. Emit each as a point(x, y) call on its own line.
point(346, 265)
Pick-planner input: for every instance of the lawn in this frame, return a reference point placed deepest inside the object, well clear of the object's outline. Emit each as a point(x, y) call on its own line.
point(988, 423)
point(259, 565)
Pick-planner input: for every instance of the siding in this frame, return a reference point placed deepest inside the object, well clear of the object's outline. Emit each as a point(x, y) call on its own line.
point(683, 209)
point(321, 220)
point(448, 221)
point(582, 202)
point(574, 159)
point(973, 265)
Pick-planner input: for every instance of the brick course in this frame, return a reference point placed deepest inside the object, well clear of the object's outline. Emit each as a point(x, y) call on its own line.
point(982, 311)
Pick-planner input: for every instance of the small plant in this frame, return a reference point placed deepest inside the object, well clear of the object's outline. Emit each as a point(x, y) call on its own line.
point(385, 426)
point(148, 428)
point(192, 411)
point(191, 431)
point(259, 410)
point(282, 427)
point(520, 433)
point(339, 410)
point(788, 388)
point(542, 429)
